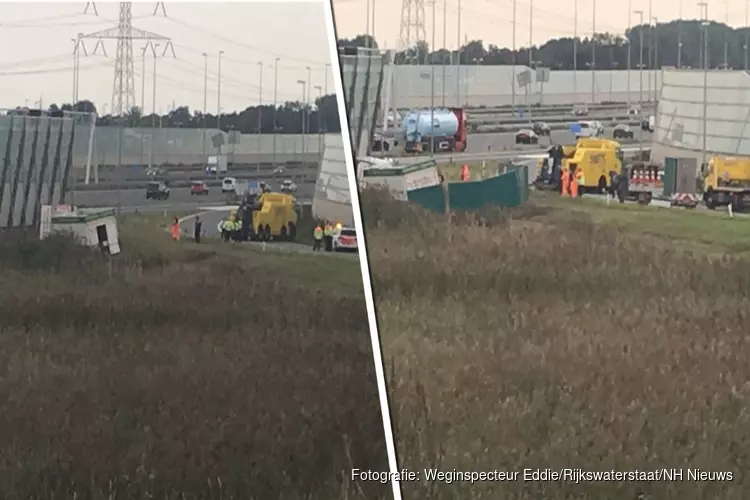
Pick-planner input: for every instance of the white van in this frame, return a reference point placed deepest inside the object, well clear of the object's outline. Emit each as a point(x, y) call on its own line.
point(229, 185)
point(590, 129)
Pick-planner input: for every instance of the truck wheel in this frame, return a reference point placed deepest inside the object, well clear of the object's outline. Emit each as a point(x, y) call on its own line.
point(261, 233)
point(292, 231)
point(283, 235)
point(268, 232)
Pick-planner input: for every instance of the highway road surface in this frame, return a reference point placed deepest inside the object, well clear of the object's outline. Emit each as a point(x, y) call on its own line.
point(130, 200)
point(505, 141)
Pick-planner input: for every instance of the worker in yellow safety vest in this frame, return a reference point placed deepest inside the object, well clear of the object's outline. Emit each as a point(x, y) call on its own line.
point(580, 180)
point(328, 235)
point(318, 236)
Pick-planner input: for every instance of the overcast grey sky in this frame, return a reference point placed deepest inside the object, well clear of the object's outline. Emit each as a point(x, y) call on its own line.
point(36, 60)
point(491, 20)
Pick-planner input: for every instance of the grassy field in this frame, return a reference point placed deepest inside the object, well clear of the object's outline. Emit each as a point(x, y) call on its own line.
point(565, 335)
point(183, 371)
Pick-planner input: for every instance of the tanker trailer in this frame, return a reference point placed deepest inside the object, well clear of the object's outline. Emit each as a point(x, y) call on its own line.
point(448, 131)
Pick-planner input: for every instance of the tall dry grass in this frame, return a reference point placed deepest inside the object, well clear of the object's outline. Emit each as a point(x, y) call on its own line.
point(180, 373)
point(539, 339)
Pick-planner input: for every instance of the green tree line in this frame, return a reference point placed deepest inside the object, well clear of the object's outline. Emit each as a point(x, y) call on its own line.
point(726, 49)
point(323, 117)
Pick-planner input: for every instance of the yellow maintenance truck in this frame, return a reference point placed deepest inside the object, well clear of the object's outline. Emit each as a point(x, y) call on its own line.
point(270, 216)
point(726, 180)
point(596, 158)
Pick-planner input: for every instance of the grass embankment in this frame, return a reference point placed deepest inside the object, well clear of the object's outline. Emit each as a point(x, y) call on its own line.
point(559, 335)
point(187, 371)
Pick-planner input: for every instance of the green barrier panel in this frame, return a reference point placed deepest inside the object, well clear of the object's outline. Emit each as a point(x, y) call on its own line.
point(467, 196)
point(432, 198)
point(503, 190)
point(522, 174)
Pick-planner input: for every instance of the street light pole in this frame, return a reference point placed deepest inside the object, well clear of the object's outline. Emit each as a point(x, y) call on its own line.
point(513, 78)
point(205, 104)
point(650, 46)
point(458, 54)
point(445, 43)
point(630, 24)
point(679, 39)
point(275, 110)
point(704, 27)
point(593, 56)
point(304, 87)
point(307, 109)
point(531, 53)
point(143, 95)
point(153, 115)
point(432, 80)
point(320, 118)
point(745, 47)
point(575, 51)
point(656, 56)
point(218, 99)
point(726, 37)
point(640, 78)
point(260, 106)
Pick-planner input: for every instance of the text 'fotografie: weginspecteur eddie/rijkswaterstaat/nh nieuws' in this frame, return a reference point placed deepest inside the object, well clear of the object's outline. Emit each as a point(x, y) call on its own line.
point(543, 475)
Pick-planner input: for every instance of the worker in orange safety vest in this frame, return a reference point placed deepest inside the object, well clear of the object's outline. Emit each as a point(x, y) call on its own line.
point(565, 182)
point(574, 183)
point(465, 174)
point(175, 229)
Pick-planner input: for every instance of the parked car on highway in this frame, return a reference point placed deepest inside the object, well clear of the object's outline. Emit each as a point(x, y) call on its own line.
point(590, 129)
point(580, 111)
point(228, 185)
point(526, 136)
point(648, 124)
point(155, 171)
point(198, 188)
point(278, 170)
point(634, 111)
point(288, 186)
point(157, 191)
point(264, 187)
point(541, 129)
point(345, 240)
point(622, 131)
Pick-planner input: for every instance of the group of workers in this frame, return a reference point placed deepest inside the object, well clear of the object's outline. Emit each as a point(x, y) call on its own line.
point(572, 182)
point(231, 228)
point(324, 232)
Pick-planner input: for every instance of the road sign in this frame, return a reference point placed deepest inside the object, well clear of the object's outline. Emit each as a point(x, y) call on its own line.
point(542, 75)
point(217, 140)
point(524, 78)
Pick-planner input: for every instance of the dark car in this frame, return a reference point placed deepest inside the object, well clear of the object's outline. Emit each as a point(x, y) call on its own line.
point(527, 136)
point(157, 191)
point(541, 129)
point(622, 131)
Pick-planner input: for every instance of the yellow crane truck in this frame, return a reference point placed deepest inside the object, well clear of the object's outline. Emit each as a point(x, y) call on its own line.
point(726, 180)
point(274, 216)
point(596, 158)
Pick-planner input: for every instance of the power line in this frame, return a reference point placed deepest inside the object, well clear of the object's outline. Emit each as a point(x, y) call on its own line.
point(38, 19)
point(55, 70)
point(243, 45)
